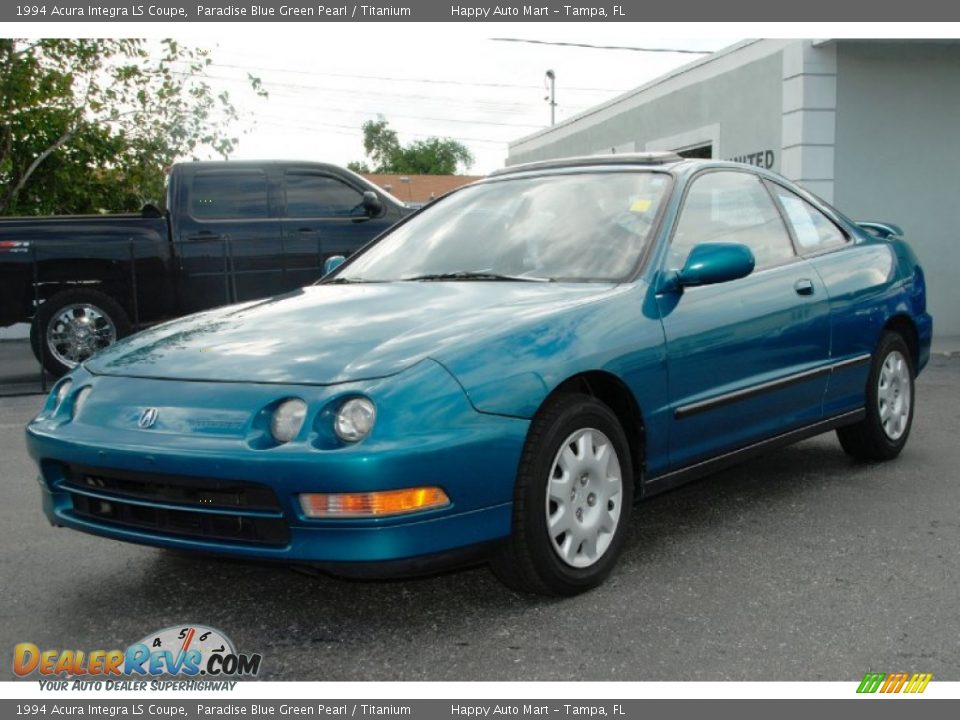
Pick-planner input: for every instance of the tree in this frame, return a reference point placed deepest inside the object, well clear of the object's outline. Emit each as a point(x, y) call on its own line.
point(433, 156)
point(359, 166)
point(381, 145)
point(90, 125)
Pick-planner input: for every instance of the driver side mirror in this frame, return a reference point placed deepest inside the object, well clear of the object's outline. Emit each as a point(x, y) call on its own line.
point(712, 263)
point(332, 263)
point(372, 203)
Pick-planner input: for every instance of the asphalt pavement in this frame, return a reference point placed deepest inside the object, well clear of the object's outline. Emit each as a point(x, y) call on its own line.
point(19, 369)
point(801, 565)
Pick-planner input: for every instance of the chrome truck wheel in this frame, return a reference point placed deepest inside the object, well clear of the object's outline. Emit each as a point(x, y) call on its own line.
point(73, 325)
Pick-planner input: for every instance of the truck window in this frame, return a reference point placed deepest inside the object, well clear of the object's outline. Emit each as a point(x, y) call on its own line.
point(320, 196)
point(229, 194)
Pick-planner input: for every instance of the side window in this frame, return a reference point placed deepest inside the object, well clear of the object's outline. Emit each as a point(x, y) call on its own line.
point(321, 196)
point(218, 194)
point(814, 230)
point(731, 207)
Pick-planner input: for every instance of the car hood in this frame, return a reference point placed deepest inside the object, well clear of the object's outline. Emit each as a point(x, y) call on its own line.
point(326, 334)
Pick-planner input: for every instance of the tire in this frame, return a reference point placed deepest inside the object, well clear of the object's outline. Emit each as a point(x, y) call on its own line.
point(567, 562)
point(74, 324)
point(882, 434)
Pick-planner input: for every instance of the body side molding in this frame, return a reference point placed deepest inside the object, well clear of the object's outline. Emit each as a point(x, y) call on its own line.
point(699, 469)
point(717, 401)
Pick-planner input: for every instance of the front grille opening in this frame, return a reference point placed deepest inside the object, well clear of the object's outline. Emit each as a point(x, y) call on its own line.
point(206, 492)
point(269, 531)
point(195, 494)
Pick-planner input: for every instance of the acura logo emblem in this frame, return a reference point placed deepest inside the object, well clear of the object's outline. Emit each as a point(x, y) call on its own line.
point(148, 417)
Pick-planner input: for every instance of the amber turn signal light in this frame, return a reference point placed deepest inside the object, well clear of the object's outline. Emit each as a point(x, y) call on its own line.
point(372, 504)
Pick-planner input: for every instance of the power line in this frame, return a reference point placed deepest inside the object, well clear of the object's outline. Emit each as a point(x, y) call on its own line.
point(486, 106)
point(417, 100)
point(431, 81)
point(300, 122)
point(391, 115)
point(338, 110)
point(602, 47)
point(356, 132)
point(329, 108)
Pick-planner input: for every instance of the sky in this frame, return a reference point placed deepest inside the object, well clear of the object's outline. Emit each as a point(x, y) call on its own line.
point(447, 80)
point(438, 79)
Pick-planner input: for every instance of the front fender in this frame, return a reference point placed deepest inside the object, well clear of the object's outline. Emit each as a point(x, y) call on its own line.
point(513, 372)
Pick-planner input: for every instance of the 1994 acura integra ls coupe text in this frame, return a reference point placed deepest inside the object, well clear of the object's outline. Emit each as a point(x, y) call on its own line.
point(500, 376)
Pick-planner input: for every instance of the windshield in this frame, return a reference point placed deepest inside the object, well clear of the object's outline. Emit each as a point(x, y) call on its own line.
point(575, 228)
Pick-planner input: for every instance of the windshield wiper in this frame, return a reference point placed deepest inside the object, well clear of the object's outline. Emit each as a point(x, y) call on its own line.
point(346, 281)
point(467, 275)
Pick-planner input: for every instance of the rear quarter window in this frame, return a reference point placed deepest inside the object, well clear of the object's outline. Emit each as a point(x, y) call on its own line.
point(813, 230)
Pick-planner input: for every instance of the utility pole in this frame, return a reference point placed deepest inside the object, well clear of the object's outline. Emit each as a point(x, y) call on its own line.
point(552, 97)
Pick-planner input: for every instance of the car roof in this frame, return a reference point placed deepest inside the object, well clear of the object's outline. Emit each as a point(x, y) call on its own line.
point(647, 158)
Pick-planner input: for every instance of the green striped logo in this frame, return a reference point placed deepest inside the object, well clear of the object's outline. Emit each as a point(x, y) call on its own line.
point(894, 682)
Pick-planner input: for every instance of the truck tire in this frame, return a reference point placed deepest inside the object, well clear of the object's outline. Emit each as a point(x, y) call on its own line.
point(73, 325)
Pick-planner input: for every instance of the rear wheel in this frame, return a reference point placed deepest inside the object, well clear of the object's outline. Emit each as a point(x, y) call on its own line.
point(572, 500)
point(882, 434)
point(73, 325)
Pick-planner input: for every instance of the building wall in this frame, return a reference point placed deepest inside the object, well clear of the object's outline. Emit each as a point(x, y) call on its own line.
point(809, 115)
point(898, 154)
point(738, 111)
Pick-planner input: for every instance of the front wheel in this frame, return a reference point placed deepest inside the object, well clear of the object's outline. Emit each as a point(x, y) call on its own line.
point(73, 325)
point(882, 434)
point(572, 501)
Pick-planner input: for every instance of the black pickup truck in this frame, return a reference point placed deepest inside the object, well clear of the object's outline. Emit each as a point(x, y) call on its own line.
point(231, 231)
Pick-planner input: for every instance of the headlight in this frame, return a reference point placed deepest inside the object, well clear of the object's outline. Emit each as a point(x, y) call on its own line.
point(355, 419)
point(287, 420)
point(62, 391)
point(80, 399)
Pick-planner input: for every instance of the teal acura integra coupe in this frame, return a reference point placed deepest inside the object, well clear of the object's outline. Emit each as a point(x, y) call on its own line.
point(500, 376)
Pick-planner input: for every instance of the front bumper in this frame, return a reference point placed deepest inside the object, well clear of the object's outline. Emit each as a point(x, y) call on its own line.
point(924, 324)
point(427, 434)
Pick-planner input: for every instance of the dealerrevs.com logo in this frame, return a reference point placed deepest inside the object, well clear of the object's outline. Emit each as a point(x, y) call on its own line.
point(188, 652)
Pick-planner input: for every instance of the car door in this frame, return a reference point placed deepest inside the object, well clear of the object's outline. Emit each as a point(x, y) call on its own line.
point(747, 359)
point(858, 279)
point(228, 238)
point(324, 216)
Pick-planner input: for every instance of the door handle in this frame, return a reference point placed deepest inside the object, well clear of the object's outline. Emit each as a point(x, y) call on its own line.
point(803, 287)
